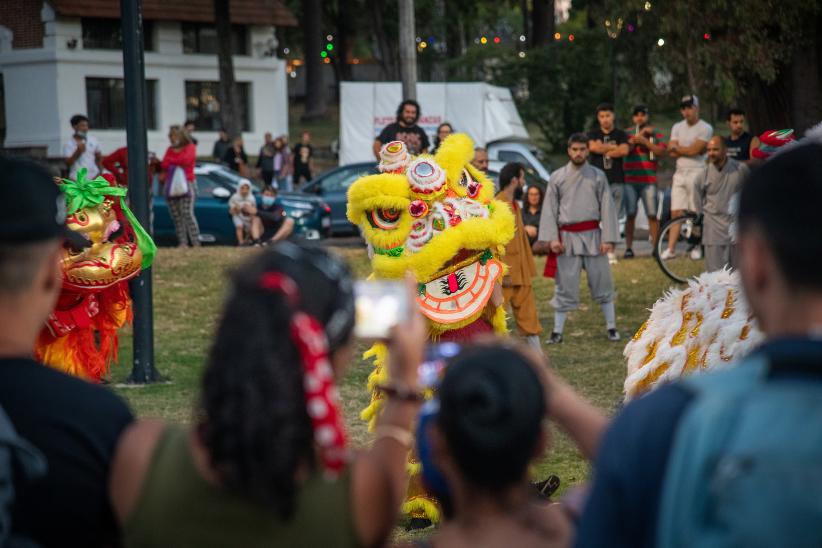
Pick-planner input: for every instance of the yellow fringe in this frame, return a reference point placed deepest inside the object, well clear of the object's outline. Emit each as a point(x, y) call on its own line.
point(421, 507)
point(413, 468)
point(499, 322)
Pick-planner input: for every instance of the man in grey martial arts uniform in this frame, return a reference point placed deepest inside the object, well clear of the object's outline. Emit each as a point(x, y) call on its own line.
point(723, 179)
point(579, 222)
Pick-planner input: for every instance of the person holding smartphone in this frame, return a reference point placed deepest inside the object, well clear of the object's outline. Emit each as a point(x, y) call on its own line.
point(82, 150)
point(267, 453)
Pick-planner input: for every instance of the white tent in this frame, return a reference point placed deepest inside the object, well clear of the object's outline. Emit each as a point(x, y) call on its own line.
point(486, 113)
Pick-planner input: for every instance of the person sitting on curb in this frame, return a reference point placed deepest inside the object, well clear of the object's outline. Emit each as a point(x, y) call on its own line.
point(242, 206)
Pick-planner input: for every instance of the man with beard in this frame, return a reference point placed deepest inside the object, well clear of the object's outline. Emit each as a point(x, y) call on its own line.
point(608, 145)
point(723, 179)
point(739, 143)
point(405, 129)
point(579, 224)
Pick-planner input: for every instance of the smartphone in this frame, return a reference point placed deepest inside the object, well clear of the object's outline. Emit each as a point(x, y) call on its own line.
point(430, 372)
point(379, 305)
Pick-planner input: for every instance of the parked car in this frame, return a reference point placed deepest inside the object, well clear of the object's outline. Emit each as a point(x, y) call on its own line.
point(215, 185)
point(332, 187)
point(532, 158)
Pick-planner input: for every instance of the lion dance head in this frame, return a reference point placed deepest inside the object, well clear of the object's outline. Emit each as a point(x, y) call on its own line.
point(436, 217)
point(80, 335)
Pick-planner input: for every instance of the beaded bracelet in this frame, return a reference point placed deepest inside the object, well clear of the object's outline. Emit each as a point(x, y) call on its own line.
point(401, 392)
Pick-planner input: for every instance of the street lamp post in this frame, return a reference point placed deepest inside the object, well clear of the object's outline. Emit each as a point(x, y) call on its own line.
point(143, 370)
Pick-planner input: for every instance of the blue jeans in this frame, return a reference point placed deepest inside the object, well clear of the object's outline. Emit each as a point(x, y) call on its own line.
point(635, 192)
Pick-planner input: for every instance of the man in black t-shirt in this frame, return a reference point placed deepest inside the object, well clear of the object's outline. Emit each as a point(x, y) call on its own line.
point(405, 129)
point(608, 145)
point(74, 424)
point(739, 143)
point(303, 159)
point(276, 224)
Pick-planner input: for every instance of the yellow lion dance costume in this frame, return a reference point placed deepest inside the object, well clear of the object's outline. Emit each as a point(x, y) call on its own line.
point(434, 216)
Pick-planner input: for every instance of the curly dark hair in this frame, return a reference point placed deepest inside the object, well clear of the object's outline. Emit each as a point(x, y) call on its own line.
point(411, 102)
point(254, 422)
point(492, 406)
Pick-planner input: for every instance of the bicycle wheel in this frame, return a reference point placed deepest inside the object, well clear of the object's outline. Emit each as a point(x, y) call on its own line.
point(686, 259)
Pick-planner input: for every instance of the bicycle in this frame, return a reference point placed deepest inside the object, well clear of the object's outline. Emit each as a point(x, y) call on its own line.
point(683, 265)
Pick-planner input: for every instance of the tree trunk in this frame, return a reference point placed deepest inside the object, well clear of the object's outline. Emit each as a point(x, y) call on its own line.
point(315, 95)
point(526, 27)
point(806, 75)
point(438, 68)
point(230, 112)
point(542, 22)
point(343, 39)
point(387, 57)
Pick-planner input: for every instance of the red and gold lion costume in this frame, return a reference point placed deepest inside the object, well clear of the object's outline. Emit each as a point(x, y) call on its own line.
point(80, 335)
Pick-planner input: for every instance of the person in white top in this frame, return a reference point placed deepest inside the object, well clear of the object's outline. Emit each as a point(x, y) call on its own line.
point(82, 150)
point(689, 139)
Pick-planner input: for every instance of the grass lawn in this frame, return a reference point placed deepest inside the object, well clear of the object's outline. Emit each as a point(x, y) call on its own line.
point(188, 291)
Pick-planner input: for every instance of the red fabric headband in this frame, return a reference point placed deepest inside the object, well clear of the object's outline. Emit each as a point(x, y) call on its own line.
point(321, 395)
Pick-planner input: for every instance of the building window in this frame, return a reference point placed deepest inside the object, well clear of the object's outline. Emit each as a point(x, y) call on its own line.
point(203, 107)
point(99, 33)
point(202, 38)
point(106, 103)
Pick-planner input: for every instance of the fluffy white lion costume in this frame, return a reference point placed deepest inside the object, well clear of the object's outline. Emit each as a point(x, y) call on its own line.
point(702, 328)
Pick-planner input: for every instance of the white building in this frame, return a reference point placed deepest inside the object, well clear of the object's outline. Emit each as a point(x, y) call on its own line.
point(63, 57)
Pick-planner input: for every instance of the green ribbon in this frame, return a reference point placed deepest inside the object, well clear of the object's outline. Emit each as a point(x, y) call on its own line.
point(82, 193)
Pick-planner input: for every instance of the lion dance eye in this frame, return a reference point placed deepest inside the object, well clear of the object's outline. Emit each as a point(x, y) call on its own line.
point(385, 219)
point(466, 179)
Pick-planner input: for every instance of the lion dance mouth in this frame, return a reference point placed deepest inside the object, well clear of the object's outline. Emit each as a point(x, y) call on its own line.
point(462, 293)
point(436, 217)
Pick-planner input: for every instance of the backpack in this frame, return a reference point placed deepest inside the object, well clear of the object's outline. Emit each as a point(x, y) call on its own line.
point(16, 454)
point(745, 467)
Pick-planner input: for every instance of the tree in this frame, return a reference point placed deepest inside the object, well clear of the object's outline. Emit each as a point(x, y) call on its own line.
point(344, 34)
point(386, 51)
point(315, 93)
point(542, 22)
point(230, 113)
point(745, 53)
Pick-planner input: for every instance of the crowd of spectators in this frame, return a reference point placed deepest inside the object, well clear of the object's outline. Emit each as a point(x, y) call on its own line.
point(278, 166)
point(265, 460)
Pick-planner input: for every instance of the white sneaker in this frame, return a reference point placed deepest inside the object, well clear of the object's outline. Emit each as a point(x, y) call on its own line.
point(612, 259)
point(696, 253)
point(667, 254)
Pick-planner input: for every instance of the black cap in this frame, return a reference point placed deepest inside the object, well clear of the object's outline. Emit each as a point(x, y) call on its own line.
point(32, 208)
point(640, 108)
